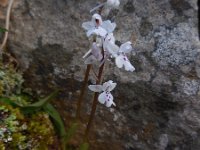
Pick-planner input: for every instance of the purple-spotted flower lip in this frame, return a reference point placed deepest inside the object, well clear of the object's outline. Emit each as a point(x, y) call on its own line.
point(105, 97)
point(122, 61)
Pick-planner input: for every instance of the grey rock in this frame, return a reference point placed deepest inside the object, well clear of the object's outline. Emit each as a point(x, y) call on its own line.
point(189, 86)
point(157, 105)
point(170, 50)
point(145, 27)
point(129, 7)
point(163, 142)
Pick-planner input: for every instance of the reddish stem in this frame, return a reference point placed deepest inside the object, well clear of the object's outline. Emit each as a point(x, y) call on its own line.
point(94, 105)
point(78, 111)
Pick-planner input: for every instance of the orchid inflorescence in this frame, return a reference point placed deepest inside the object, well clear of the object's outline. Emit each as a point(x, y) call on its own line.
point(103, 47)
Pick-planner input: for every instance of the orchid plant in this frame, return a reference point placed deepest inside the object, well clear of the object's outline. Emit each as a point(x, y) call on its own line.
point(103, 47)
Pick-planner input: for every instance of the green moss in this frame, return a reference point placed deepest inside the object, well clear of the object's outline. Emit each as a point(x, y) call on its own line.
point(10, 124)
point(41, 130)
point(17, 130)
point(10, 81)
point(21, 132)
point(2, 147)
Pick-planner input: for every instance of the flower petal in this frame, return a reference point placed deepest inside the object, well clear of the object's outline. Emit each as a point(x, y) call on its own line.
point(113, 3)
point(126, 47)
point(99, 41)
point(128, 66)
point(108, 26)
point(96, 52)
point(110, 37)
point(119, 61)
point(88, 25)
point(98, 31)
point(90, 32)
point(109, 86)
point(111, 48)
point(112, 86)
point(95, 88)
point(106, 98)
point(102, 98)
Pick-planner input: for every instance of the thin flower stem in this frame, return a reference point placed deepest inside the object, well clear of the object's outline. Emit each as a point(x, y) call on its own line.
point(80, 100)
point(94, 73)
point(94, 105)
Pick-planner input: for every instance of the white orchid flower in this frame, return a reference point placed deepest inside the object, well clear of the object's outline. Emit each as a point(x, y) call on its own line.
point(121, 59)
point(107, 6)
point(105, 97)
point(98, 27)
point(94, 26)
point(119, 53)
point(93, 55)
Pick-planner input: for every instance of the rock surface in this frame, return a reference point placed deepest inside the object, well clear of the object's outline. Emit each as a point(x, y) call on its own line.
point(158, 105)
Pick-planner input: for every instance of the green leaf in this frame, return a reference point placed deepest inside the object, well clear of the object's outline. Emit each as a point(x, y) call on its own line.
point(3, 30)
point(57, 121)
point(84, 146)
point(9, 102)
point(32, 107)
point(71, 132)
point(53, 113)
point(40, 104)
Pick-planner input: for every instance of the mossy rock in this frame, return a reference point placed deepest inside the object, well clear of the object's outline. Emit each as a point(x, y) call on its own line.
point(17, 130)
point(24, 132)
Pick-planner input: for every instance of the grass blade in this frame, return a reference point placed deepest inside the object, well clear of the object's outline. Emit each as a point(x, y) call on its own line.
point(39, 104)
point(9, 102)
point(58, 123)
